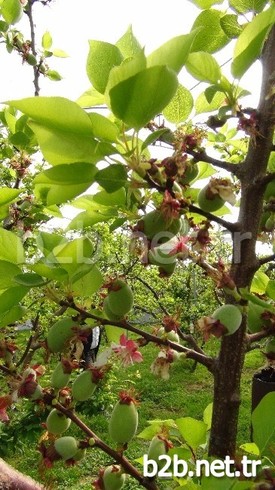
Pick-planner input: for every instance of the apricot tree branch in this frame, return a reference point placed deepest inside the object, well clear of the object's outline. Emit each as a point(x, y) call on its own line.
point(265, 260)
point(211, 217)
point(201, 156)
point(154, 293)
point(255, 337)
point(206, 361)
point(117, 456)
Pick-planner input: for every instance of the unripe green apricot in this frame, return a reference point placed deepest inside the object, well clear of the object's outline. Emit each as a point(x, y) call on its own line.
point(113, 478)
point(108, 313)
point(173, 336)
point(59, 379)
point(66, 447)
point(31, 59)
point(209, 205)
point(154, 223)
point(59, 334)
point(80, 454)
point(190, 174)
point(83, 386)
point(229, 316)
point(120, 298)
point(37, 394)
point(157, 448)
point(167, 270)
point(123, 422)
point(57, 423)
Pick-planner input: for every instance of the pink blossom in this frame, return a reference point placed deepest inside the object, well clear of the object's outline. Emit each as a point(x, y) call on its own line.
point(3, 415)
point(127, 351)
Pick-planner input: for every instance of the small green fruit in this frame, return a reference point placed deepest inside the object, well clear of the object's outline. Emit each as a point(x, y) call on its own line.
point(57, 423)
point(59, 379)
point(113, 478)
point(173, 336)
point(31, 59)
point(229, 316)
point(156, 449)
point(83, 386)
point(80, 454)
point(66, 447)
point(190, 174)
point(108, 312)
point(120, 298)
point(37, 394)
point(60, 333)
point(154, 223)
point(123, 422)
point(209, 202)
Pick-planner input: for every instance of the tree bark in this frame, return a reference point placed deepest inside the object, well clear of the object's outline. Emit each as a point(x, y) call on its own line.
point(11, 479)
point(229, 365)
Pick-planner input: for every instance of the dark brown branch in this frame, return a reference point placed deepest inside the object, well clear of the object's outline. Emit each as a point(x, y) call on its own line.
point(30, 342)
point(190, 341)
point(206, 361)
point(266, 179)
point(265, 260)
point(36, 72)
point(257, 336)
point(211, 217)
point(118, 457)
point(201, 156)
point(154, 293)
point(5, 370)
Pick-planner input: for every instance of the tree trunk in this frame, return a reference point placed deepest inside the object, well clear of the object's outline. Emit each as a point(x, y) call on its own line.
point(10, 479)
point(229, 365)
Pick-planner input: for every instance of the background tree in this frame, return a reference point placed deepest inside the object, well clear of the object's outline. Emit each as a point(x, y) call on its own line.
point(158, 205)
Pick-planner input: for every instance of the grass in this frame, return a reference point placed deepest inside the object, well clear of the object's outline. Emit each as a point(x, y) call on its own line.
point(187, 393)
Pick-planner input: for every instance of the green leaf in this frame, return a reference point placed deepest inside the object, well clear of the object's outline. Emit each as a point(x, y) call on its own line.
point(205, 170)
point(19, 139)
point(12, 11)
point(155, 136)
point(117, 198)
point(59, 53)
point(7, 195)
point(259, 283)
point(7, 273)
point(47, 40)
point(103, 128)
point(55, 113)
point(11, 297)
point(244, 6)
point(89, 283)
point(174, 52)
point(113, 334)
point(203, 67)
point(61, 147)
point(207, 415)
point(88, 219)
point(202, 105)
point(91, 98)
point(128, 44)
point(205, 4)
point(12, 315)
point(29, 279)
point(250, 42)
point(112, 178)
point(251, 448)
point(50, 271)
point(263, 423)
point(211, 37)
point(141, 97)
point(270, 290)
point(11, 248)
point(180, 107)
point(63, 182)
point(46, 242)
point(53, 75)
point(74, 255)
point(102, 58)
point(221, 483)
point(193, 431)
point(231, 26)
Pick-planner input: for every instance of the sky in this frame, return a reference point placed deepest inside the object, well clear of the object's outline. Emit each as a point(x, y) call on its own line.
point(73, 23)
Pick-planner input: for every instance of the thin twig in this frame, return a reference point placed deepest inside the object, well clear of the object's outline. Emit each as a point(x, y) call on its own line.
point(211, 217)
point(36, 72)
point(265, 260)
point(154, 293)
point(201, 156)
